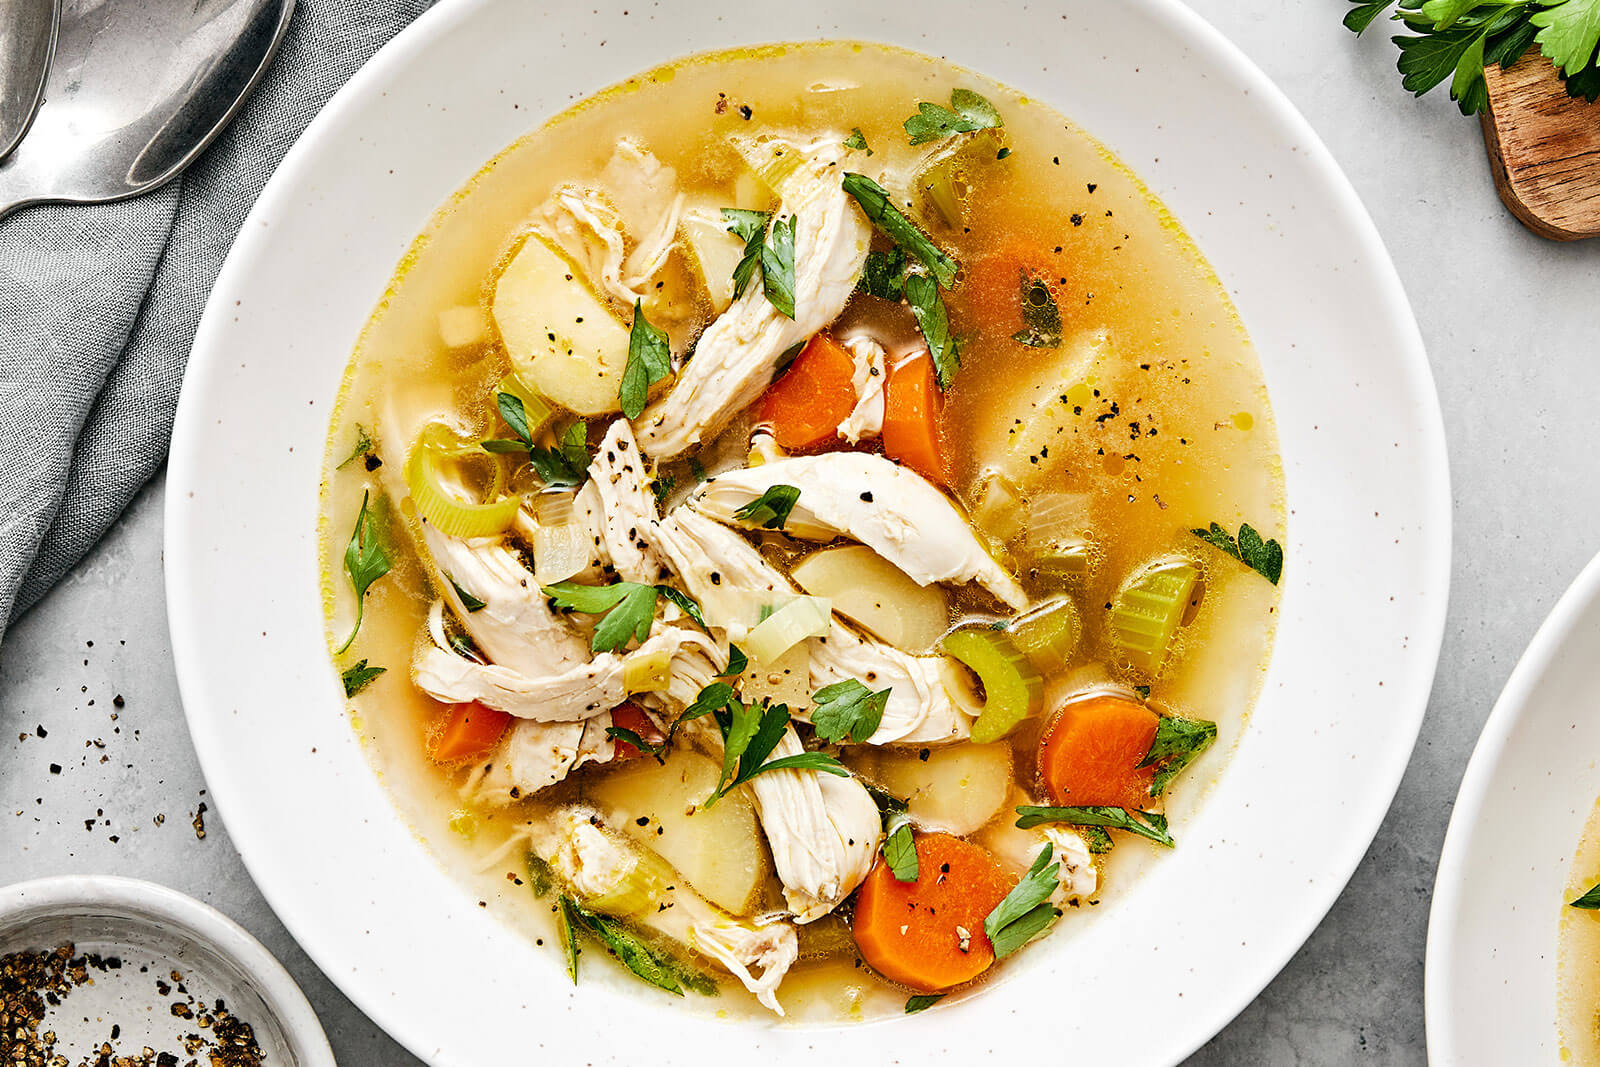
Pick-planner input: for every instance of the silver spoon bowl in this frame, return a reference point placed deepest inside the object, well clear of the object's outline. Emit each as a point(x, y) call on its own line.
point(27, 41)
point(137, 90)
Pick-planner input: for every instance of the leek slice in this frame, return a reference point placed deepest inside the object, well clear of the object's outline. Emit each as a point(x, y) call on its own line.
point(436, 493)
point(800, 618)
point(1012, 688)
point(648, 672)
point(998, 508)
point(772, 160)
point(636, 887)
point(1047, 635)
point(1148, 611)
point(535, 408)
point(561, 544)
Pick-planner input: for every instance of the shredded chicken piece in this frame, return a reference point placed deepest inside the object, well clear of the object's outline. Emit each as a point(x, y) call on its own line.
point(535, 755)
point(866, 418)
point(627, 505)
point(736, 356)
point(1075, 869)
point(889, 508)
point(592, 861)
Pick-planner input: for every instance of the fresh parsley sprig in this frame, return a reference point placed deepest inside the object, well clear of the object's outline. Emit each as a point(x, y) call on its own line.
point(1178, 743)
point(968, 111)
point(366, 559)
point(363, 448)
point(629, 609)
point(749, 734)
point(933, 319)
point(1145, 824)
point(649, 361)
point(858, 141)
point(1459, 39)
point(1590, 901)
point(847, 709)
point(1263, 557)
point(881, 212)
point(900, 850)
point(768, 244)
point(359, 677)
point(884, 275)
point(1026, 911)
point(771, 509)
point(636, 954)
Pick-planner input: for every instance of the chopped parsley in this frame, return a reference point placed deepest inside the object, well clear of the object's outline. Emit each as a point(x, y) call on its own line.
point(629, 609)
point(858, 141)
point(567, 464)
point(968, 111)
point(933, 319)
point(771, 509)
point(629, 737)
point(752, 227)
point(884, 275)
point(1026, 911)
point(468, 601)
point(359, 677)
point(777, 266)
point(1263, 557)
point(738, 662)
point(1041, 318)
point(900, 850)
point(639, 956)
point(848, 709)
point(1178, 743)
point(649, 361)
point(874, 201)
point(365, 561)
point(749, 734)
point(1148, 824)
point(1590, 901)
point(362, 449)
point(922, 1002)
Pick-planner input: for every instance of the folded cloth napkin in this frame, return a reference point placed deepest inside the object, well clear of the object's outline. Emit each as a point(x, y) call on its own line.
point(99, 304)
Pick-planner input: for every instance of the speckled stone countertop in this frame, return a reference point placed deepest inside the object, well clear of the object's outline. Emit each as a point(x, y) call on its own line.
point(97, 773)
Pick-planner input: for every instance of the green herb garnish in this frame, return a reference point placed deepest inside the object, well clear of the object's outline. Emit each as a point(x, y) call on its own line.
point(967, 112)
point(1148, 824)
point(738, 662)
point(874, 201)
point(771, 509)
point(749, 734)
point(1590, 901)
point(900, 851)
point(1026, 911)
point(777, 266)
point(629, 737)
point(752, 227)
point(685, 603)
point(629, 608)
point(359, 677)
point(365, 561)
point(654, 966)
point(567, 933)
point(540, 878)
point(933, 319)
point(567, 464)
point(847, 709)
point(922, 1002)
point(1041, 318)
point(468, 601)
point(858, 141)
point(884, 275)
point(1178, 743)
point(363, 448)
point(1263, 557)
point(649, 361)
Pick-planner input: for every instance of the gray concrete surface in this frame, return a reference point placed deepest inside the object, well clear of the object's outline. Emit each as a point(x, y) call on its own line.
point(1511, 323)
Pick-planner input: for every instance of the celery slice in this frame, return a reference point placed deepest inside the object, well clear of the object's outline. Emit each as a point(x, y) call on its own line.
point(1047, 635)
point(634, 889)
point(800, 618)
point(1147, 612)
point(1013, 689)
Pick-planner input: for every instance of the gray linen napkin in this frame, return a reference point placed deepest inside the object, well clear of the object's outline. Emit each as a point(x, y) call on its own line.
point(99, 304)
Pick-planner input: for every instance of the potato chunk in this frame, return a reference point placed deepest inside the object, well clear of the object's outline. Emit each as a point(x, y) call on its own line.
point(957, 789)
point(869, 590)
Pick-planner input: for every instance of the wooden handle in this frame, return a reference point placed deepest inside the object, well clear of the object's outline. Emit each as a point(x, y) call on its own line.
point(1544, 148)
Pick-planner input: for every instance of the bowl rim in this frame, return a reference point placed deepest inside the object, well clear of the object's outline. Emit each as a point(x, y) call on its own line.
point(150, 902)
point(1385, 776)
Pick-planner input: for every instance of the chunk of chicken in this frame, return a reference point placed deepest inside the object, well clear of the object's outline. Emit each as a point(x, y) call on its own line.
point(593, 861)
point(575, 694)
point(1075, 870)
point(866, 418)
point(628, 507)
point(738, 353)
point(823, 829)
point(889, 508)
point(535, 755)
point(723, 572)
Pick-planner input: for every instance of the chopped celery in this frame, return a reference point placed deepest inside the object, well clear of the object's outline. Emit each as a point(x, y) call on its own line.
point(635, 887)
point(800, 618)
point(945, 189)
point(1148, 611)
point(1048, 634)
point(437, 494)
point(1012, 689)
point(648, 672)
point(772, 160)
point(997, 506)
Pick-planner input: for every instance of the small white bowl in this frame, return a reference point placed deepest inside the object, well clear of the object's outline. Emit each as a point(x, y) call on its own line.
point(144, 924)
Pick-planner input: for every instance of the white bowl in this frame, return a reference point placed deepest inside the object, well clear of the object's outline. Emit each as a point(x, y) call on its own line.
point(141, 921)
point(1520, 813)
point(1175, 956)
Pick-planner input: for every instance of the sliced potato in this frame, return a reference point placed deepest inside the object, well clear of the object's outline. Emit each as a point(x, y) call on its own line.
point(714, 250)
point(720, 852)
point(868, 589)
point(1011, 845)
point(958, 788)
point(563, 339)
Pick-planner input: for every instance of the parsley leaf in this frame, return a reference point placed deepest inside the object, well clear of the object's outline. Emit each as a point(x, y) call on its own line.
point(1569, 32)
point(889, 805)
point(777, 266)
point(884, 275)
point(649, 963)
point(858, 141)
point(649, 361)
point(468, 601)
point(967, 112)
point(540, 878)
point(629, 737)
point(662, 487)
point(629, 609)
point(568, 463)
point(1263, 557)
point(1095, 838)
point(363, 448)
point(934, 321)
point(848, 709)
point(1152, 826)
point(874, 201)
point(922, 1002)
point(1026, 911)
point(1041, 318)
point(685, 604)
point(365, 561)
point(749, 734)
point(359, 677)
point(1178, 743)
point(516, 417)
point(771, 509)
point(752, 226)
point(900, 851)
point(1590, 901)
point(738, 662)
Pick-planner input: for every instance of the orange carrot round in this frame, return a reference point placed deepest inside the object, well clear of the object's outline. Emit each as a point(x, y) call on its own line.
point(1092, 750)
point(631, 717)
point(928, 935)
point(468, 730)
point(806, 405)
point(991, 295)
point(912, 430)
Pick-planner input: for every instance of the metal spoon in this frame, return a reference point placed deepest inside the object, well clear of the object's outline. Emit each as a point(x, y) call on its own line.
point(137, 90)
point(27, 40)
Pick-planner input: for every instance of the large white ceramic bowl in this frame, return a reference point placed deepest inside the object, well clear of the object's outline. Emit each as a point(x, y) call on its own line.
point(1500, 891)
point(1176, 955)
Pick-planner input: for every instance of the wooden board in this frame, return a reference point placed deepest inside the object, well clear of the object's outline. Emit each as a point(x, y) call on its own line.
point(1544, 148)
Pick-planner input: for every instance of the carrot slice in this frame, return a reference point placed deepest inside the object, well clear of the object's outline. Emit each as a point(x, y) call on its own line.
point(806, 405)
point(468, 730)
point(1092, 751)
point(928, 935)
point(912, 430)
point(631, 717)
point(991, 295)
